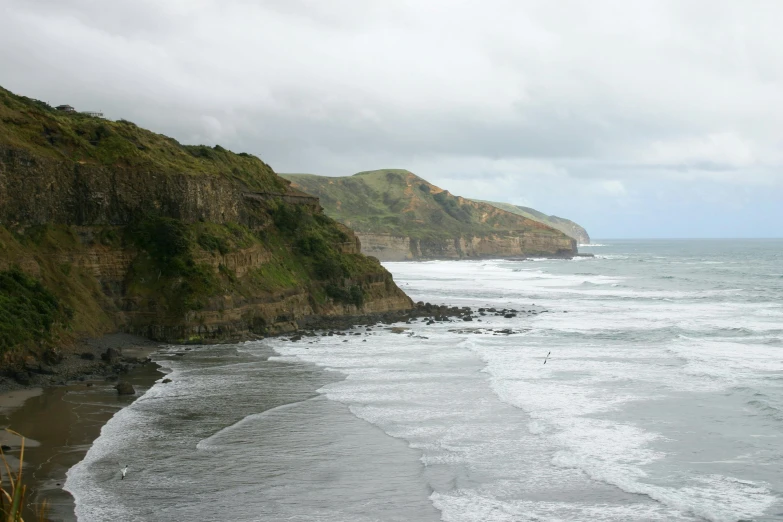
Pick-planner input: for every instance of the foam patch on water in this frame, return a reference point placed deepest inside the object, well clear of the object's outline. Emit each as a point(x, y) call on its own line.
point(715, 498)
point(482, 506)
point(613, 452)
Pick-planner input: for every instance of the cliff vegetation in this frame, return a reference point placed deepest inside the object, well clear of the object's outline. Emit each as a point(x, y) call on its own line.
point(105, 226)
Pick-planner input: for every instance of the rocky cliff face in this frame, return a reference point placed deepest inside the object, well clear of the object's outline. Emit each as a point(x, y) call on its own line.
point(566, 226)
point(134, 232)
point(395, 248)
point(399, 216)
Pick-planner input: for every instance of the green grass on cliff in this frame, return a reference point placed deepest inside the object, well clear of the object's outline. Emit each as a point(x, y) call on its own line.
point(314, 246)
point(43, 253)
point(165, 269)
point(303, 248)
point(177, 270)
point(400, 203)
point(40, 129)
point(29, 312)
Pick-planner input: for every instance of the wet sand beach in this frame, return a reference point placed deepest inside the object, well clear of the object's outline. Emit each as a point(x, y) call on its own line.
point(60, 423)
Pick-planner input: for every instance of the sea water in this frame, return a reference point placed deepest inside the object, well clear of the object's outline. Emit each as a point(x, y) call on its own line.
point(661, 399)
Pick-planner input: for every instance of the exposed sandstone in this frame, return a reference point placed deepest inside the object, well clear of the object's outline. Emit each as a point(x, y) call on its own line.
point(387, 247)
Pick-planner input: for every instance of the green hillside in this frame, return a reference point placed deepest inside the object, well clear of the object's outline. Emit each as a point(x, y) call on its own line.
point(34, 126)
point(397, 202)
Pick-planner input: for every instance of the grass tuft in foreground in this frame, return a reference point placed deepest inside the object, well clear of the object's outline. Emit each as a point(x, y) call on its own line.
point(12, 496)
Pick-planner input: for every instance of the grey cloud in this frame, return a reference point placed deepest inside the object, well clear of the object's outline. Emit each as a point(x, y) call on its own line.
point(596, 94)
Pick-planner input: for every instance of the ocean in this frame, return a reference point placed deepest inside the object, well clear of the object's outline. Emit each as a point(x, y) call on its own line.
point(661, 399)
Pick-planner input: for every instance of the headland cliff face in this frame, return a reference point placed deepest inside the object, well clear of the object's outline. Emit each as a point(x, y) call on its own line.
point(399, 216)
point(566, 226)
point(523, 244)
point(109, 227)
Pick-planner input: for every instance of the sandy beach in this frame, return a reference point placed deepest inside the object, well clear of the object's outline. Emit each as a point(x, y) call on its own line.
point(60, 423)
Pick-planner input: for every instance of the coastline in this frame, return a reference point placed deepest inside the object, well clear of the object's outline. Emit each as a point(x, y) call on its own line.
point(61, 412)
point(105, 357)
point(61, 421)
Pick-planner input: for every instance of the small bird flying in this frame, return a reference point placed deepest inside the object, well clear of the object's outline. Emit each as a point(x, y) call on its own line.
point(123, 471)
point(547, 357)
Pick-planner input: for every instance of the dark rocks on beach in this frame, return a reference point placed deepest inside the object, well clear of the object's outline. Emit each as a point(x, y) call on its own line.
point(87, 356)
point(125, 388)
point(467, 318)
point(166, 381)
point(296, 338)
point(424, 311)
point(22, 378)
point(111, 355)
point(53, 356)
point(32, 366)
point(510, 316)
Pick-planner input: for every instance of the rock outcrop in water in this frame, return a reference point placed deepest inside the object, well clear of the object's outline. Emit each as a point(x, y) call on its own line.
point(399, 216)
point(106, 227)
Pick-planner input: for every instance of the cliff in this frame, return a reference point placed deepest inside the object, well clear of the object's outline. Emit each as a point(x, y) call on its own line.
point(398, 216)
point(566, 226)
point(108, 227)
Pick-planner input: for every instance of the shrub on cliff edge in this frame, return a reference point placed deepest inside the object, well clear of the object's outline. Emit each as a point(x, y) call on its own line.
point(28, 310)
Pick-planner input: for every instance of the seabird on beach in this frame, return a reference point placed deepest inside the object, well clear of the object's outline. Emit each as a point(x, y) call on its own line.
point(124, 471)
point(547, 357)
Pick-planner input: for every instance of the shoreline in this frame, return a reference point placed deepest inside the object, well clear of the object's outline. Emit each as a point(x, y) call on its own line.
point(61, 412)
point(92, 359)
point(61, 421)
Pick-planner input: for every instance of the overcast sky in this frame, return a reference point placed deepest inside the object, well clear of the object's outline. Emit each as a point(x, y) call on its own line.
point(634, 118)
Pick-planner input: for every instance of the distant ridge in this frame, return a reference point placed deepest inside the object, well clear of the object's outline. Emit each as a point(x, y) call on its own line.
point(566, 226)
point(398, 215)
